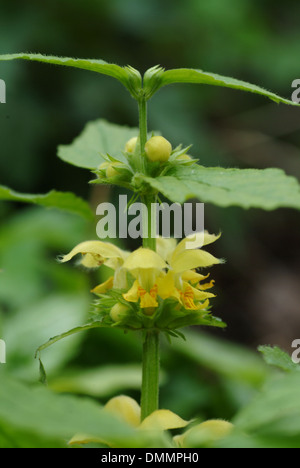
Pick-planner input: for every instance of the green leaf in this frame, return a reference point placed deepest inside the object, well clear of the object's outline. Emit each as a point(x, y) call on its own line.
point(276, 411)
point(39, 411)
point(223, 357)
point(248, 188)
point(275, 356)
point(97, 138)
point(65, 201)
point(73, 331)
point(186, 75)
point(122, 74)
point(99, 382)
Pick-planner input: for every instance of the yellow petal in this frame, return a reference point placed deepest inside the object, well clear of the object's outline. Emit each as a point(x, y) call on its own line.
point(166, 286)
point(165, 247)
point(208, 431)
point(148, 300)
point(192, 277)
point(189, 295)
point(198, 294)
point(133, 294)
point(144, 259)
point(205, 286)
point(210, 238)
point(194, 241)
point(104, 287)
point(163, 420)
point(91, 261)
point(203, 305)
point(97, 249)
point(126, 408)
point(190, 259)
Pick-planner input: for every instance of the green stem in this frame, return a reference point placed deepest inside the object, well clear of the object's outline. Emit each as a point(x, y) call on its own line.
point(143, 122)
point(150, 376)
point(150, 382)
point(149, 241)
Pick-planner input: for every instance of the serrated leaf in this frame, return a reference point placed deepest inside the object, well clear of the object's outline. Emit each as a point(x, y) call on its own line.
point(98, 66)
point(276, 411)
point(274, 356)
point(187, 75)
point(248, 188)
point(97, 138)
point(65, 201)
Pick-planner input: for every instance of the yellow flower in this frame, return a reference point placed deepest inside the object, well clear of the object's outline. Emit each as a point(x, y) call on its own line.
point(146, 267)
point(97, 253)
point(182, 281)
point(204, 433)
point(128, 411)
point(168, 273)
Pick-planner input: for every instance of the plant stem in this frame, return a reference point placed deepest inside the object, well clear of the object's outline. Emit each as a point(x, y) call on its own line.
point(150, 376)
point(143, 122)
point(150, 382)
point(149, 228)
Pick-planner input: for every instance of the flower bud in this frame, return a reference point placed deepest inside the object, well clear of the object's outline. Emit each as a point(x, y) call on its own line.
point(131, 145)
point(118, 312)
point(111, 170)
point(158, 149)
point(184, 157)
point(103, 166)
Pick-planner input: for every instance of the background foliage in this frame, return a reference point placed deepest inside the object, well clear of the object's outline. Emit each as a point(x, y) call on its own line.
point(258, 292)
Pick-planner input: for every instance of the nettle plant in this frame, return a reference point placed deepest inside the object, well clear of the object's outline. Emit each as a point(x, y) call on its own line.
point(162, 286)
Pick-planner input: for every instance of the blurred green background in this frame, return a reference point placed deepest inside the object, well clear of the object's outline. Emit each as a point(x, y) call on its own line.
point(258, 288)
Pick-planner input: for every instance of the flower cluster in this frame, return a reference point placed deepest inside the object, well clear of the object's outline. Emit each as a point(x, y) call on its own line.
point(159, 289)
point(158, 156)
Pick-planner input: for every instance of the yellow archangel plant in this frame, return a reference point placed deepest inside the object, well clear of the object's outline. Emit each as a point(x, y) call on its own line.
point(160, 287)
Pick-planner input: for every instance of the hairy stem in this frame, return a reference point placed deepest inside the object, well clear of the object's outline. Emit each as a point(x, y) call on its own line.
point(150, 382)
point(143, 123)
point(149, 221)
